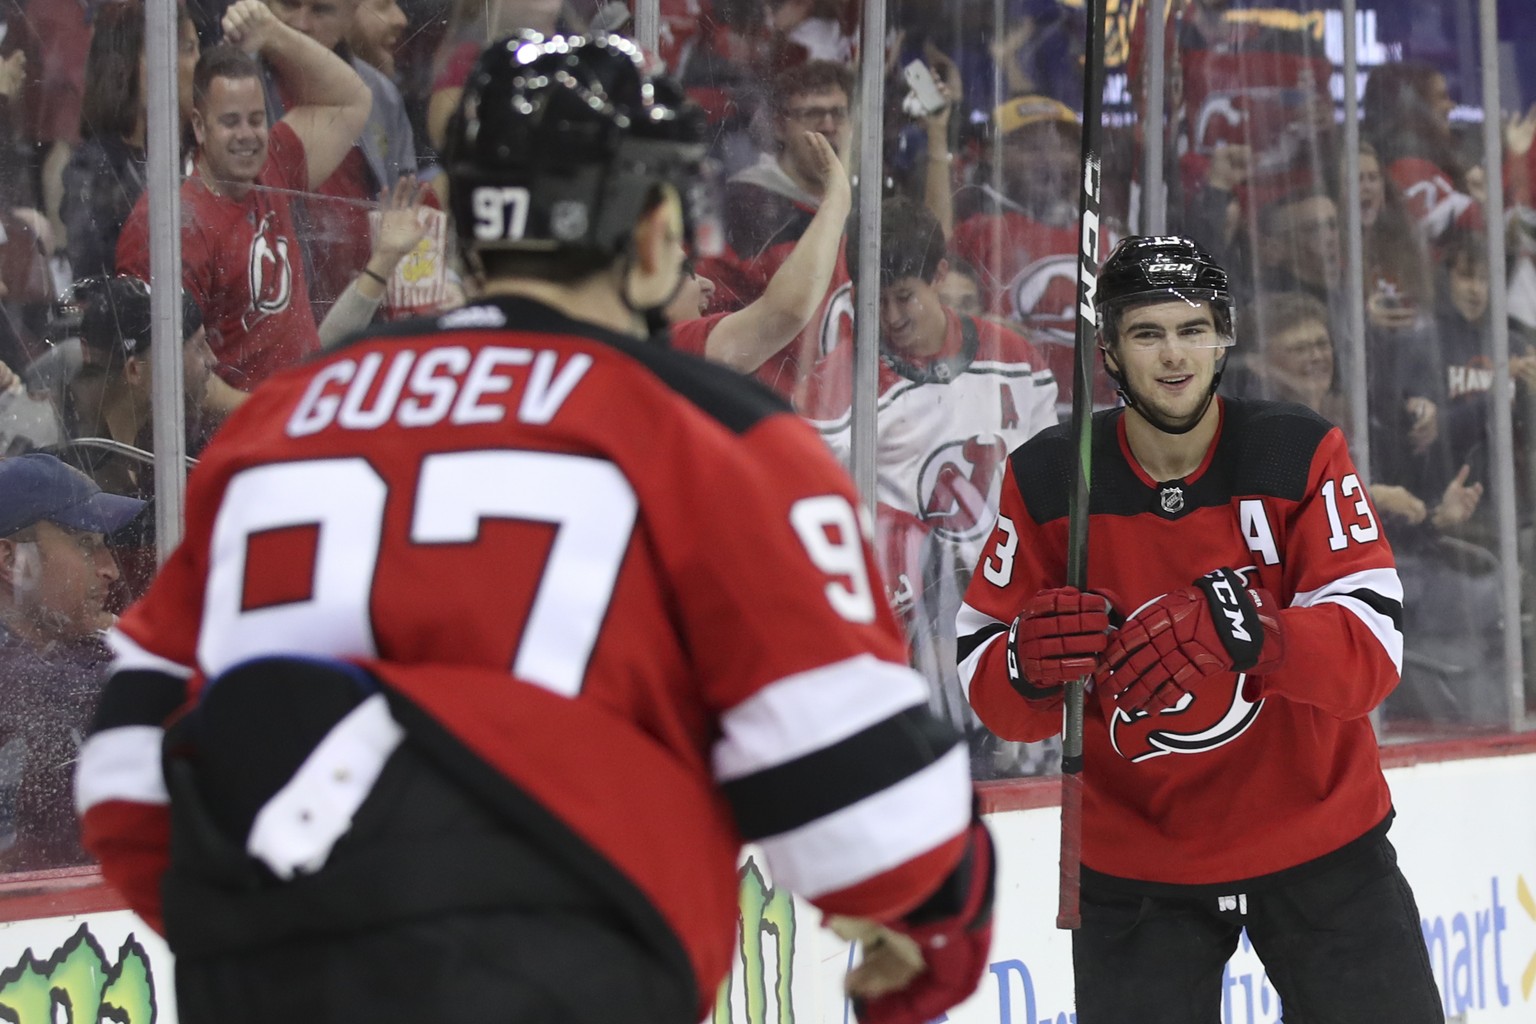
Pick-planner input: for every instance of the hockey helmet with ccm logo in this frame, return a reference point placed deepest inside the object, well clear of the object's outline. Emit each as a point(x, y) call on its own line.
point(558, 143)
point(1146, 269)
point(1156, 268)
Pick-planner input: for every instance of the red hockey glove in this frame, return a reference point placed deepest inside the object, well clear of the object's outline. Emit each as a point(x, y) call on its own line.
point(1216, 625)
point(953, 930)
point(1058, 636)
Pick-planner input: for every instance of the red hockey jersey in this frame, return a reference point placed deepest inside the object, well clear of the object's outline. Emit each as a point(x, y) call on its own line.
point(1256, 775)
point(579, 556)
point(242, 262)
point(1433, 200)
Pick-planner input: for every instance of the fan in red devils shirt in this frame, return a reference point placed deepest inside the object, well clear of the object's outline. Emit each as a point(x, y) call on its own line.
point(746, 338)
point(1406, 111)
point(240, 253)
point(768, 206)
point(464, 691)
point(1023, 241)
point(1231, 777)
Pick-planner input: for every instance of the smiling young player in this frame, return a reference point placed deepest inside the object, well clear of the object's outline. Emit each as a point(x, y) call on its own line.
point(1231, 780)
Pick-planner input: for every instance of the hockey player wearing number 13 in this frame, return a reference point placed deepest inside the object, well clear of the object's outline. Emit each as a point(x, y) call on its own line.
point(470, 677)
point(1231, 777)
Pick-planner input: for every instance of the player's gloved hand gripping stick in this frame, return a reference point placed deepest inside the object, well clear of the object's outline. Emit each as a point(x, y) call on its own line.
point(1058, 637)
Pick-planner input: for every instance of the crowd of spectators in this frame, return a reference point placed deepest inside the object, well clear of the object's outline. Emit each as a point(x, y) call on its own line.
point(310, 206)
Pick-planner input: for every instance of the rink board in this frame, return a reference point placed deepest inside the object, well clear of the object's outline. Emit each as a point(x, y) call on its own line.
point(1465, 832)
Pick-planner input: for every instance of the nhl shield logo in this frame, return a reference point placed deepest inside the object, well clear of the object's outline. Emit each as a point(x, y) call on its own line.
point(1172, 500)
point(568, 220)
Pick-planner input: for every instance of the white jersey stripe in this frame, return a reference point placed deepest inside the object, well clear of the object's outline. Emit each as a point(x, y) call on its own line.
point(967, 668)
point(878, 833)
point(812, 710)
point(120, 764)
point(1384, 582)
point(968, 622)
point(129, 656)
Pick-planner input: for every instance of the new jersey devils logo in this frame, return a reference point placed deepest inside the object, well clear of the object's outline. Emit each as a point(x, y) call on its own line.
point(957, 488)
point(1044, 295)
point(837, 318)
point(271, 275)
point(1217, 716)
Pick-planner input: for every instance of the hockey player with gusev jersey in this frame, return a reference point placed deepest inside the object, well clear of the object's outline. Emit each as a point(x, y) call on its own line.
point(493, 638)
point(1241, 623)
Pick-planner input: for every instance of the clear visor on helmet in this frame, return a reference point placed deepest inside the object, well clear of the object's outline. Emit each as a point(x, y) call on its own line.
point(1179, 318)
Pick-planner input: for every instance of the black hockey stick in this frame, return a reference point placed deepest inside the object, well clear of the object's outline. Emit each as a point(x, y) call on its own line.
point(1068, 914)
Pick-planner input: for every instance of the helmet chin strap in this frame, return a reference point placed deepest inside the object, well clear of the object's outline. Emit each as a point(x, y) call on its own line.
point(654, 316)
point(1124, 391)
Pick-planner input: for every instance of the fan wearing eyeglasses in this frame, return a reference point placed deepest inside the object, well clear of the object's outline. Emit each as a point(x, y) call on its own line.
point(745, 338)
point(768, 206)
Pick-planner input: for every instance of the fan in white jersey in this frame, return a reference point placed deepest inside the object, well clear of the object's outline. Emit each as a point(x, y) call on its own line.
point(956, 395)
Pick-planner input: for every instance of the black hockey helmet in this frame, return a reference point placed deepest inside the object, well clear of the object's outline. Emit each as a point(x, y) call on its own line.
point(1156, 268)
point(558, 142)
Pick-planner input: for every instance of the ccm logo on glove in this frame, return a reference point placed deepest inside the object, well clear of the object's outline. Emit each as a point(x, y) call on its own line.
point(1243, 637)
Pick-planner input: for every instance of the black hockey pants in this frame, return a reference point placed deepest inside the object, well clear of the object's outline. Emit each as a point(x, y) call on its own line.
point(1344, 946)
point(433, 908)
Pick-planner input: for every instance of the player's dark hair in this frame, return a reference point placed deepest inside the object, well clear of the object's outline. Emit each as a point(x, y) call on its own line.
point(911, 242)
point(811, 77)
point(221, 61)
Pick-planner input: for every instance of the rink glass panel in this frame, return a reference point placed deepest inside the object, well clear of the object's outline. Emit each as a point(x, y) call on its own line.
point(1277, 105)
point(1253, 166)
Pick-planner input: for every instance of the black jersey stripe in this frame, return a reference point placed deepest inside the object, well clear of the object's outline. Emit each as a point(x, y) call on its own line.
point(788, 795)
point(966, 646)
point(1265, 450)
point(737, 401)
point(1383, 606)
point(138, 697)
